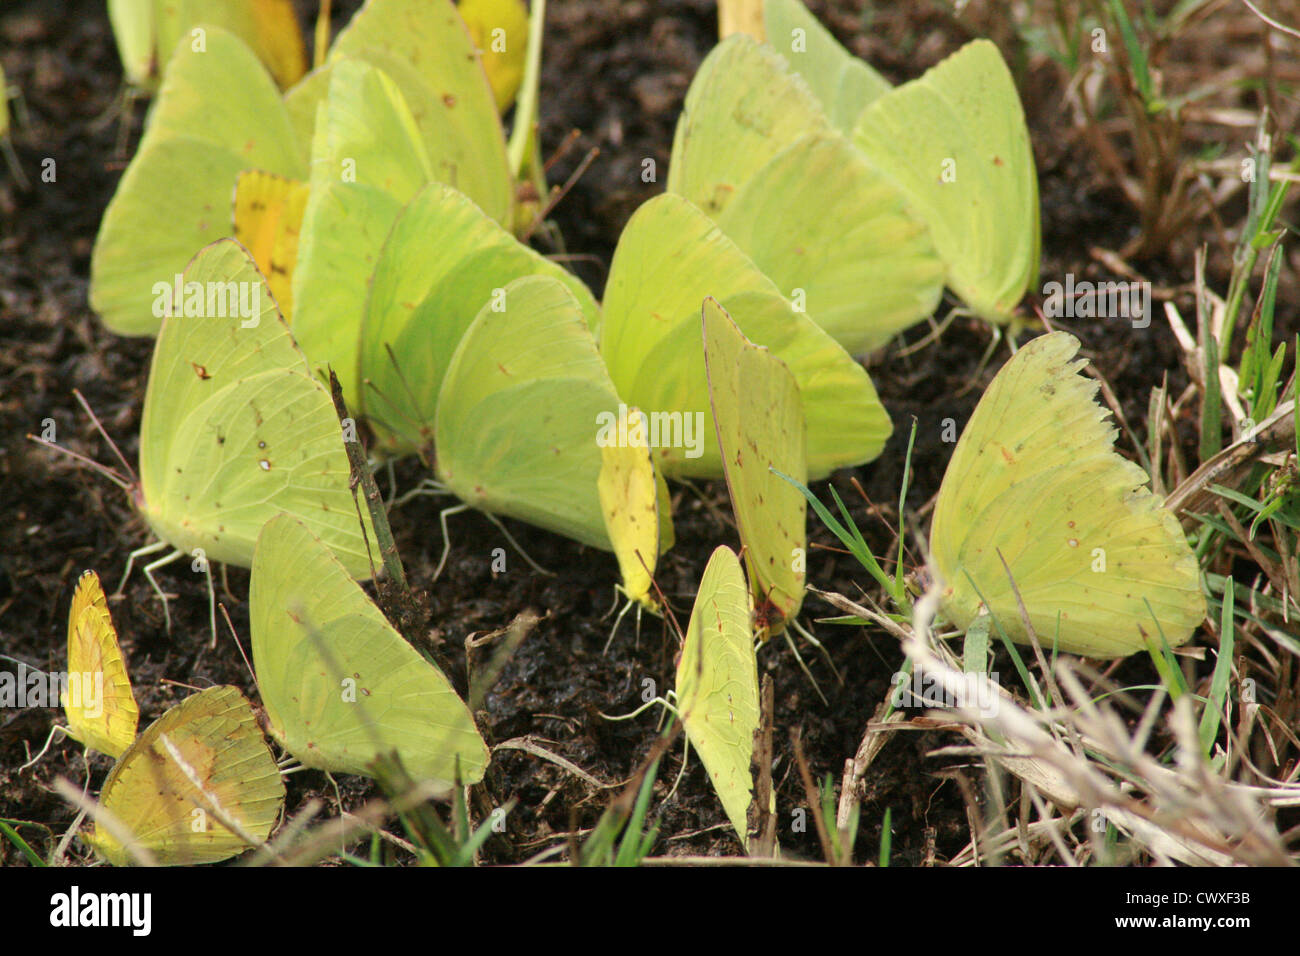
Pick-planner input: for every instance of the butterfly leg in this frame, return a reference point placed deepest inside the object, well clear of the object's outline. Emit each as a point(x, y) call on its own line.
point(627, 606)
point(446, 538)
point(517, 546)
point(994, 342)
point(225, 583)
point(803, 667)
point(57, 729)
point(807, 636)
point(149, 569)
point(212, 599)
point(686, 753)
point(935, 333)
point(138, 553)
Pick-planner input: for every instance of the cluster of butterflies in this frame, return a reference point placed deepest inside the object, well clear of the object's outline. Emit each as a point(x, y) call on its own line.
point(339, 686)
point(812, 211)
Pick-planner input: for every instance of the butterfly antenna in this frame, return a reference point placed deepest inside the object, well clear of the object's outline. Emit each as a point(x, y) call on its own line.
point(56, 730)
point(414, 423)
point(100, 428)
point(563, 149)
point(557, 195)
point(239, 645)
point(101, 469)
point(668, 612)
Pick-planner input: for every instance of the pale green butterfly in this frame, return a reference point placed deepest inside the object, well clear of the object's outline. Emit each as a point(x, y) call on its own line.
point(222, 114)
point(670, 257)
point(842, 83)
point(235, 429)
point(753, 148)
point(443, 262)
point(340, 686)
point(218, 113)
point(1035, 482)
point(427, 51)
point(717, 685)
point(368, 160)
point(955, 141)
point(760, 426)
point(518, 420)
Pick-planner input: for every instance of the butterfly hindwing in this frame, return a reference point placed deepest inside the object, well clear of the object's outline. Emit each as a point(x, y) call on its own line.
point(216, 738)
point(1035, 481)
point(518, 412)
point(717, 684)
point(101, 710)
point(339, 684)
point(760, 431)
point(235, 429)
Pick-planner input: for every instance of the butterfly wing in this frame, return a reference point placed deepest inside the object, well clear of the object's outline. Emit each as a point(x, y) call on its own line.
point(518, 414)
point(1035, 481)
point(341, 686)
point(426, 48)
point(218, 113)
point(955, 141)
point(760, 429)
point(499, 29)
point(442, 262)
point(216, 735)
point(670, 257)
point(742, 108)
point(235, 430)
point(135, 30)
point(717, 684)
point(269, 27)
point(368, 159)
point(864, 266)
point(842, 83)
point(267, 222)
point(106, 717)
point(638, 519)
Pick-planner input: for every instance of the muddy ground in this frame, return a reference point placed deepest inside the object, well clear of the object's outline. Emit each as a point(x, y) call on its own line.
point(616, 70)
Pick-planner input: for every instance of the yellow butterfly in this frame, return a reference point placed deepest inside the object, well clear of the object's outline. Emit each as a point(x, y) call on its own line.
point(97, 700)
point(267, 221)
point(638, 511)
point(203, 763)
point(499, 29)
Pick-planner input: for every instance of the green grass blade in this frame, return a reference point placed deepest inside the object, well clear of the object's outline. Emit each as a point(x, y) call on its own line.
point(13, 836)
point(1213, 712)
